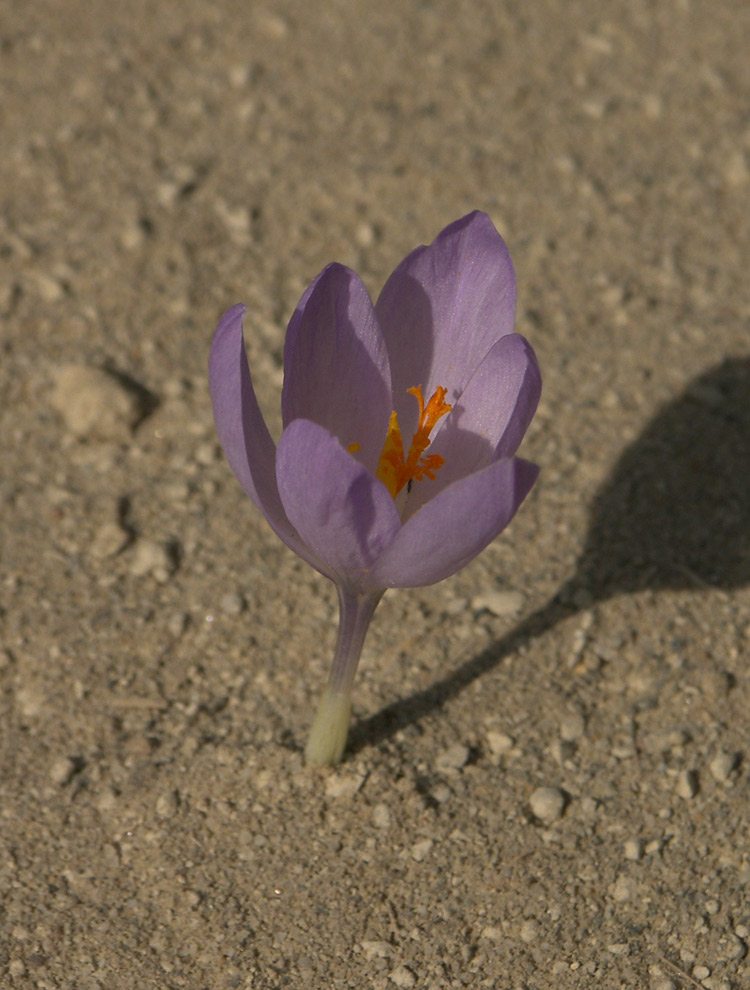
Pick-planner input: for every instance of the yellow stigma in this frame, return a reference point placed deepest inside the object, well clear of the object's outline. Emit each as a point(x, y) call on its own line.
point(395, 470)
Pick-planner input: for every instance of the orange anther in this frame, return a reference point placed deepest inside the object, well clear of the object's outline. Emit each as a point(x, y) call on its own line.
point(395, 470)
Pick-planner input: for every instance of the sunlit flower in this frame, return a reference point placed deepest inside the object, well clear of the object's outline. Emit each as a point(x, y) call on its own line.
point(401, 420)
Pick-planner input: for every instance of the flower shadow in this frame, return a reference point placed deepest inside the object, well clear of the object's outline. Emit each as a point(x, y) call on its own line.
point(674, 514)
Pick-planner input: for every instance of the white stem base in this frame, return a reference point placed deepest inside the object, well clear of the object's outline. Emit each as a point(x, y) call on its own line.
point(325, 745)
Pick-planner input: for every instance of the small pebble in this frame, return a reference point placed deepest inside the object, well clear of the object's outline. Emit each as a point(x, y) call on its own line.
point(572, 727)
point(167, 804)
point(341, 785)
point(206, 454)
point(499, 603)
point(381, 816)
point(633, 850)
point(94, 403)
point(420, 850)
point(176, 491)
point(529, 931)
point(49, 288)
point(109, 540)
point(452, 758)
point(441, 793)
point(547, 804)
point(150, 558)
point(722, 765)
point(687, 784)
point(16, 969)
point(457, 605)
point(499, 743)
point(62, 770)
point(619, 948)
point(364, 235)
point(178, 623)
point(376, 949)
point(663, 983)
point(622, 889)
point(402, 976)
point(715, 684)
point(232, 603)
point(734, 948)
point(701, 972)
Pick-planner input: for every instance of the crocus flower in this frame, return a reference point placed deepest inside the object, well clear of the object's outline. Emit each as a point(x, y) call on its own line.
point(396, 465)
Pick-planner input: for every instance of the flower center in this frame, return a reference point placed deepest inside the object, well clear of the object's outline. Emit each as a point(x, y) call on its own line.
point(396, 470)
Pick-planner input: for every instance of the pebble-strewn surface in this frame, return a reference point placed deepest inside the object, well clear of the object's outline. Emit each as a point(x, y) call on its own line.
point(548, 783)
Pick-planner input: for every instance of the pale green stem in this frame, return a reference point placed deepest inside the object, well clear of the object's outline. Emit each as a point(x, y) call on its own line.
point(325, 745)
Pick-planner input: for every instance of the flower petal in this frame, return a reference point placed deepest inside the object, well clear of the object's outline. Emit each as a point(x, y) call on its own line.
point(489, 419)
point(455, 526)
point(444, 307)
point(242, 430)
point(336, 369)
point(345, 515)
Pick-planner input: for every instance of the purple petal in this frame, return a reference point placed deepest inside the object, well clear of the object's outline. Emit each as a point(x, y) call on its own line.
point(336, 369)
point(242, 430)
point(345, 516)
point(444, 307)
point(455, 526)
point(490, 418)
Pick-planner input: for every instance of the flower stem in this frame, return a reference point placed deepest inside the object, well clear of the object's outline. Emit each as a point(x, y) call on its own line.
point(325, 745)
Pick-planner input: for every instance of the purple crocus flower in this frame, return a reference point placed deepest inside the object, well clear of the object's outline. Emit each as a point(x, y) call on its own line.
point(396, 465)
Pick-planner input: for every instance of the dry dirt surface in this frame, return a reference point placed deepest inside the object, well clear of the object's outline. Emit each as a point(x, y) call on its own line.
point(547, 784)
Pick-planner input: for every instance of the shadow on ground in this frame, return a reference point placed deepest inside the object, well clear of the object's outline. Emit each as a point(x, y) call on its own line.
point(675, 514)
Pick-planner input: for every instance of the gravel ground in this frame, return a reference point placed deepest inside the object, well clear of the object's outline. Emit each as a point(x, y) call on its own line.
point(547, 782)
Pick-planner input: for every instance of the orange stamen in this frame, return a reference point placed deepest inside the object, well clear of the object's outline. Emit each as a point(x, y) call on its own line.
point(395, 470)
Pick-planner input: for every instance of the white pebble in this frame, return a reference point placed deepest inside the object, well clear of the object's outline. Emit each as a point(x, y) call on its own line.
point(232, 603)
point(547, 804)
point(420, 850)
point(381, 816)
point(441, 793)
point(343, 785)
point(108, 541)
point(93, 403)
point(722, 765)
point(499, 603)
point(150, 558)
point(701, 972)
point(734, 948)
point(178, 623)
point(452, 758)
point(167, 804)
point(663, 983)
point(376, 949)
point(365, 235)
point(206, 453)
point(633, 850)
point(402, 976)
point(572, 727)
point(622, 889)
point(529, 931)
point(499, 742)
point(62, 770)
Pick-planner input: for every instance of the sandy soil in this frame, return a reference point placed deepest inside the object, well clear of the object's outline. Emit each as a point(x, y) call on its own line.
point(162, 653)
